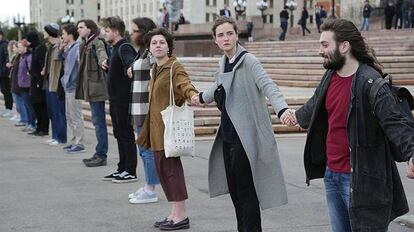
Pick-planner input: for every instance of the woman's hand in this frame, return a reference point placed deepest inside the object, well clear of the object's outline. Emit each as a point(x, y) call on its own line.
point(129, 72)
point(195, 100)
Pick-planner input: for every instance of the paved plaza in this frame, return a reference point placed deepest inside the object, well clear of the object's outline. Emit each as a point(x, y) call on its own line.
point(42, 189)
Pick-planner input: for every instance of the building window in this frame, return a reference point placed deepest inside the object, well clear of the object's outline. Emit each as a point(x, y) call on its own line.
point(73, 13)
point(215, 16)
point(82, 2)
point(226, 2)
point(270, 18)
point(67, 1)
point(99, 6)
point(207, 17)
point(214, 2)
point(270, 2)
point(99, 18)
point(207, 2)
point(71, 2)
point(82, 13)
point(67, 12)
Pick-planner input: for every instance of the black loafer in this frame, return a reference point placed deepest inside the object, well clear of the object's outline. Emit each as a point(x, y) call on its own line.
point(158, 223)
point(170, 225)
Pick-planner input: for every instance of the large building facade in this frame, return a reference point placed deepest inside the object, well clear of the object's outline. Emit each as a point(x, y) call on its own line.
point(130, 9)
point(43, 12)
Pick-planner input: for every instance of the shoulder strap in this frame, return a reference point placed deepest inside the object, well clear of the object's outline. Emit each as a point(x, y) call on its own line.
point(376, 86)
point(172, 100)
point(120, 53)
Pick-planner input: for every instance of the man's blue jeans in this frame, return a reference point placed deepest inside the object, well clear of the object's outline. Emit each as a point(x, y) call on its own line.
point(337, 195)
point(101, 132)
point(147, 156)
point(282, 35)
point(365, 24)
point(56, 110)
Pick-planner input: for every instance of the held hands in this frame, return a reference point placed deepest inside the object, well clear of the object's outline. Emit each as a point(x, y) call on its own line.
point(129, 72)
point(288, 117)
point(195, 100)
point(410, 169)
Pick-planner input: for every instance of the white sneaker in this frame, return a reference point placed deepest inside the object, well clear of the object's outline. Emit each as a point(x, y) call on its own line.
point(144, 197)
point(54, 143)
point(7, 114)
point(49, 141)
point(15, 118)
point(136, 193)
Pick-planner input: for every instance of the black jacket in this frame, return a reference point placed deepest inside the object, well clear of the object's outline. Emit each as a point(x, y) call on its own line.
point(367, 11)
point(119, 84)
point(36, 83)
point(376, 192)
point(4, 58)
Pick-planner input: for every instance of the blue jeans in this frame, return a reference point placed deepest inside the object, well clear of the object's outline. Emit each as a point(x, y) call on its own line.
point(337, 195)
point(365, 24)
point(56, 109)
point(147, 156)
point(27, 109)
point(101, 132)
point(282, 35)
point(18, 101)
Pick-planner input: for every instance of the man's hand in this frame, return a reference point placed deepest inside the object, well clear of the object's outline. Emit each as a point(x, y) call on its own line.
point(129, 72)
point(9, 65)
point(43, 71)
point(288, 117)
point(105, 65)
point(410, 169)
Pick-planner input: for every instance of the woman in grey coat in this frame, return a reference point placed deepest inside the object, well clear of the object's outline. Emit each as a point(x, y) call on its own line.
point(245, 150)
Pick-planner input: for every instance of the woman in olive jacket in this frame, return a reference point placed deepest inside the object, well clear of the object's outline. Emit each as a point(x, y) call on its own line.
point(170, 170)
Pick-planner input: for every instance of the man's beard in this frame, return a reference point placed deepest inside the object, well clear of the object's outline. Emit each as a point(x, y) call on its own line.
point(335, 62)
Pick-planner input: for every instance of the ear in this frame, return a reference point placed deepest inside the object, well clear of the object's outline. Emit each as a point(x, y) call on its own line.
point(215, 40)
point(345, 47)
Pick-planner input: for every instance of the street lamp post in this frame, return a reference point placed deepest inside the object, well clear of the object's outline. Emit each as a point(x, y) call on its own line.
point(239, 7)
point(262, 6)
point(292, 5)
point(19, 22)
point(67, 19)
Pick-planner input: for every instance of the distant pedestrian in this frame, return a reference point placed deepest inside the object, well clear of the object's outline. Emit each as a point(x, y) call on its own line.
point(399, 14)
point(250, 27)
point(4, 78)
point(225, 12)
point(303, 19)
point(284, 19)
point(366, 14)
point(389, 13)
point(318, 18)
point(323, 14)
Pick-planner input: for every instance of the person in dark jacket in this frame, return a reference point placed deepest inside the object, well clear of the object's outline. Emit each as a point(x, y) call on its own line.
point(302, 21)
point(366, 14)
point(318, 18)
point(4, 78)
point(119, 90)
point(37, 93)
point(389, 13)
point(398, 14)
point(348, 137)
point(284, 17)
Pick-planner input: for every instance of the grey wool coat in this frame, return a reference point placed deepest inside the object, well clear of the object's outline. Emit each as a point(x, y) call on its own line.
point(246, 88)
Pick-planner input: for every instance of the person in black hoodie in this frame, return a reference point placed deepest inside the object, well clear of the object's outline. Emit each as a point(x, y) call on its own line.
point(302, 21)
point(119, 90)
point(4, 78)
point(36, 91)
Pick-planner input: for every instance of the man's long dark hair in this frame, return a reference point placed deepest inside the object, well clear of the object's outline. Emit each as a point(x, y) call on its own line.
point(144, 25)
point(345, 30)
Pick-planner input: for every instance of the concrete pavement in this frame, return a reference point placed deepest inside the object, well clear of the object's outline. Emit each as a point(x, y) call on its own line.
point(42, 189)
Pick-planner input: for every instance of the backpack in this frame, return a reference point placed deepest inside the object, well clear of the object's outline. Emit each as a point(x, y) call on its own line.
point(405, 101)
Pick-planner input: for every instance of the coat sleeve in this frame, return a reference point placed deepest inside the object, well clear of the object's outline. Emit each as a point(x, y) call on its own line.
point(208, 95)
point(182, 83)
point(101, 52)
point(266, 84)
point(398, 129)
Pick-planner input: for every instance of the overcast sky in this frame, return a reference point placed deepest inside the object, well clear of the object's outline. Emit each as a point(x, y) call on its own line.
point(10, 8)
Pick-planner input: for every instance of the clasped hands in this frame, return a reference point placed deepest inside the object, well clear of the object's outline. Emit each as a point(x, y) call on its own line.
point(288, 117)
